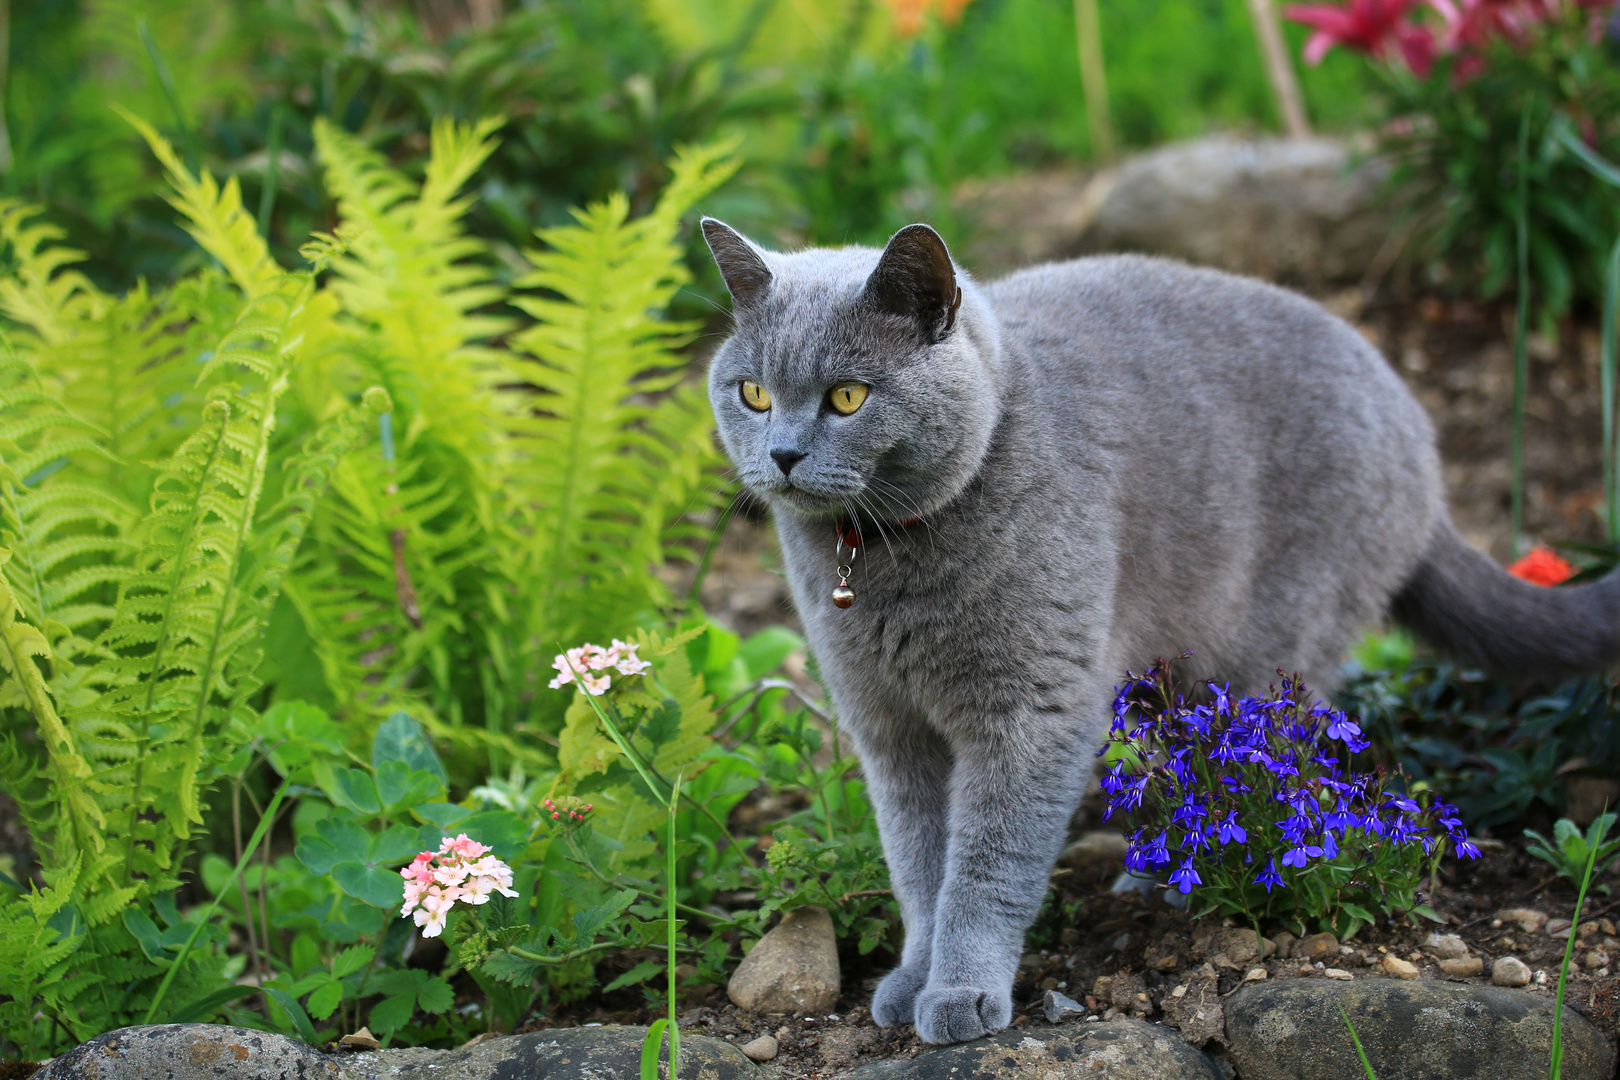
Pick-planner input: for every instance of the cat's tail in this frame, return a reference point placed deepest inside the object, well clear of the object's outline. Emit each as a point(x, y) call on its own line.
point(1463, 603)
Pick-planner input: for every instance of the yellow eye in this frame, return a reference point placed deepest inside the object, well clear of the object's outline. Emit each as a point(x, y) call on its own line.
point(755, 396)
point(847, 397)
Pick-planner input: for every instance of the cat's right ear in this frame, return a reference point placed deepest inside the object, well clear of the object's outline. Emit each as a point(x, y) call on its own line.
point(741, 263)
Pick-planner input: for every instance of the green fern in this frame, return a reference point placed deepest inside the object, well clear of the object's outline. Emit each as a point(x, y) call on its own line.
point(603, 474)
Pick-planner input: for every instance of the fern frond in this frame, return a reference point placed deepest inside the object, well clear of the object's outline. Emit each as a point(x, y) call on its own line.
point(599, 349)
point(215, 216)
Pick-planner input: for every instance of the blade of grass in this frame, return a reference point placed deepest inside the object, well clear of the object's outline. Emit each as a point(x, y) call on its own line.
point(166, 81)
point(267, 196)
point(196, 931)
point(1556, 1065)
point(1521, 357)
point(669, 917)
point(650, 1047)
point(1356, 1041)
point(1611, 452)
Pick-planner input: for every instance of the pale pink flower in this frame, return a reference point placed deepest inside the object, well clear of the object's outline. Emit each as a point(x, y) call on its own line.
point(465, 872)
point(574, 665)
point(595, 685)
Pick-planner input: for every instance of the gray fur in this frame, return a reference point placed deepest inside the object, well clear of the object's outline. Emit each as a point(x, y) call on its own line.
point(1113, 459)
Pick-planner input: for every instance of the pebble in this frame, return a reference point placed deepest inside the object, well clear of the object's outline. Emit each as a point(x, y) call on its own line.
point(1058, 1006)
point(1446, 946)
point(794, 968)
point(763, 1048)
point(1284, 942)
point(1595, 959)
point(1463, 966)
point(1509, 971)
point(1315, 947)
point(1337, 973)
point(1093, 848)
point(1254, 975)
point(1557, 927)
point(1397, 968)
point(1527, 919)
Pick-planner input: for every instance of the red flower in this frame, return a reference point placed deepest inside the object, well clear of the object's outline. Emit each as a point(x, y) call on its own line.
point(1542, 567)
point(1374, 27)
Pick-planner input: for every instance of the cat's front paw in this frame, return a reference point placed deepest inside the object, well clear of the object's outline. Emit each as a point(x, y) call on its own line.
point(951, 1014)
point(895, 999)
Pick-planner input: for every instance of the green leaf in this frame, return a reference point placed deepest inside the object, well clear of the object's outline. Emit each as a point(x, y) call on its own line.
point(508, 968)
point(502, 830)
point(354, 789)
point(764, 652)
point(445, 815)
point(146, 935)
point(352, 959)
point(651, 1047)
point(393, 1013)
point(640, 973)
point(300, 1019)
point(403, 738)
point(373, 884)
point(206, 1006)
point(324, 1001)
point(401, 787)
point(394, 845)
point(336, 841)
point(591, 920)
point(435, 995)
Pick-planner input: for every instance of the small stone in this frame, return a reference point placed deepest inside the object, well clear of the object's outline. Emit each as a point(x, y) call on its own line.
point(1239, 946)
point(763, 1048)
point(1397, 968)
point(1162, 957)
point(1316, 947)
point(1194, 1009)
point(1587, 929)
point(1058, 1007)
point(1337, 973)
point(1556, 927)
point(1446, 946)
point(1031, 961)
point(1606, 926)
point(1527, 919)
point(1283, 943)
point(1595, 959)
point(1509, 971)
point(1464, 967)
point(1093, 849)
point(794, 968)
point(1254, 975)
point(1121, 942)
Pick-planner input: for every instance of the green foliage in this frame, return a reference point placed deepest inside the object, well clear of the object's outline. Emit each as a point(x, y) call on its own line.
point(1456, 146)
point(1570, 852)
point(1497, 750)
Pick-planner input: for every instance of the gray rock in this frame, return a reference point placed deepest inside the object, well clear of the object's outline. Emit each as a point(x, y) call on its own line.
point(1120, 1050)
point(794, 968)
point(1291, 1030)
point(1058, 1006)
point(1445, 946)
point(191, 1052)
point(610, 1052)
point(763, 1048)
point(1316, 947)
point(1509, 971)
point(1297, 209)
point(1093, 849)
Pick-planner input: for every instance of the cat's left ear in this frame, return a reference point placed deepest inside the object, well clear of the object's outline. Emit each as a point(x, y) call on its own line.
point(916, 278)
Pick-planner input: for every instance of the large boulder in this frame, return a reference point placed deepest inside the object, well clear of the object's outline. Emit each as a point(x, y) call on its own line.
point(585, 1053)
point(1291, 1029)
point(191, 1052)
point(1308, 211)
point(1122, 1049)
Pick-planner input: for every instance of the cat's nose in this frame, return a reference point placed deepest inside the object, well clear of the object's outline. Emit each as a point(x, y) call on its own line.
point(786, 459)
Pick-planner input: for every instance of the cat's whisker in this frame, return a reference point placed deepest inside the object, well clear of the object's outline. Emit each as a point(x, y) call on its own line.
point(895, 492)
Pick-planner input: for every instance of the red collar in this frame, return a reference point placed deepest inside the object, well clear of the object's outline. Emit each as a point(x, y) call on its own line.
point(849, 531)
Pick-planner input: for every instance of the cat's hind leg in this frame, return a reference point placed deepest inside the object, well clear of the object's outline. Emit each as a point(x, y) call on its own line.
point(1012, 795)
point(908, 774)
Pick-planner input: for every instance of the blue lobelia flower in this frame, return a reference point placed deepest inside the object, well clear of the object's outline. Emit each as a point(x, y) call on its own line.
point(1231, 832)
point(1269, 876)
point(1341, 819)
point(1297, 856)
point(1186, 877)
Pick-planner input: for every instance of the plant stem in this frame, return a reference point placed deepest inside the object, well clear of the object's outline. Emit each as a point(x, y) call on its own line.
point(1094, 78)
point(1521, 356)
point(267, 195)
point(196, 931)
point(1556, 1064)
point(669, 919)
point(1611, 452)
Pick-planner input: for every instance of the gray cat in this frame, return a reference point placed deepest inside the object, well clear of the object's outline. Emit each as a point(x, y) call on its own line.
point(1053, 478)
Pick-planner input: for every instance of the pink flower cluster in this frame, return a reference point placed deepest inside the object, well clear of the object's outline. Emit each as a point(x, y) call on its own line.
point(466, 872)
point(570, 807)
point(621, 656)
point(1382, 28)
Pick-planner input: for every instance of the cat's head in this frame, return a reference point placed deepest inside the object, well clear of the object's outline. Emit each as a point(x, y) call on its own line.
point(856, 379)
